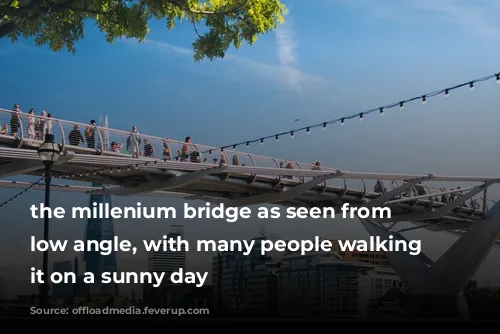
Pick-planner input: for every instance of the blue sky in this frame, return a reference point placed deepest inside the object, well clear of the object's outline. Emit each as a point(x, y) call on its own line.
point(331, 58)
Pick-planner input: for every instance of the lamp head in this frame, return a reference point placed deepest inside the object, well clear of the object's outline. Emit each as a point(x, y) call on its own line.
point(49, 151)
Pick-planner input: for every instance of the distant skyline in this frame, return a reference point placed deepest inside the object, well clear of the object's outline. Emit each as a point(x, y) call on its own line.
point(331, 58)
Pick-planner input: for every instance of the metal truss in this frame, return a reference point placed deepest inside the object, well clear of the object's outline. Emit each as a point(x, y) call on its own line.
point(451, 273)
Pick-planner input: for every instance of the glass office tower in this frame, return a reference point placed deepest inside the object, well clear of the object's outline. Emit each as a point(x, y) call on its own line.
point(100, 229)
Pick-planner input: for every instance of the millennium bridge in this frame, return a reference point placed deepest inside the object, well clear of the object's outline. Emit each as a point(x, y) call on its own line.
point(133, 164)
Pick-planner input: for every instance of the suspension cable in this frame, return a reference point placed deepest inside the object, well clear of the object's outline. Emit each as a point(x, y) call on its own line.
point(21, 193)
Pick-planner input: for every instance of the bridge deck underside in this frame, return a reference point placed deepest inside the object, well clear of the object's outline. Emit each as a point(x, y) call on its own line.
point(97, 168)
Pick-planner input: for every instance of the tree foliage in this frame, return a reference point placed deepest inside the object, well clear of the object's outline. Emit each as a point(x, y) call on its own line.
point(60, 23)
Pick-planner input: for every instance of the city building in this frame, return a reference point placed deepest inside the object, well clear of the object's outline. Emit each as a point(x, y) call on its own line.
point(164, 261)
point(100, 229)
point(322, 284)
point(169, 261)
point(246, 285)
point(378, 259)
point(3, 289)
point(317, 284)
point(380, 281)
point(82, 289)
point(394, 304)
point(189, 296)
point(63, 291)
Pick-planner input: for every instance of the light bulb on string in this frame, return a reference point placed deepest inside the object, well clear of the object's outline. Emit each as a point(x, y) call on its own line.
point(423, 99)
point(234, 147)
point(262, 141)
point(277, 138)
point(248, 143)
point(361, 116)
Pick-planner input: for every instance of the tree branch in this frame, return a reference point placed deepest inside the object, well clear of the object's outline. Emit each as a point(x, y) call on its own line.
point(36, 8)
point(222, 12)
point(196, 29)
point(7, 28)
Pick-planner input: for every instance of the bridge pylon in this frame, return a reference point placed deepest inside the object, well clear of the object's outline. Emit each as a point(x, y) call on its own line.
point(437, 287)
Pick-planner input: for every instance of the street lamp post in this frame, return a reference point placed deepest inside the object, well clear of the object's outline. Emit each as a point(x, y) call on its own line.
point(49, 153)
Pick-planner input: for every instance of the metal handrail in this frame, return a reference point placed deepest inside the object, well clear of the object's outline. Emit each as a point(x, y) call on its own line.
point(150, 137)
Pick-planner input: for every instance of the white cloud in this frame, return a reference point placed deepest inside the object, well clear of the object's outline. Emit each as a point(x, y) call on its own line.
point(286, 45)
point(473, 15)
point(23, 47)
point(478, 15)
point(287, 76)
point(287, 55)
point(170, 48)
point(284, 74)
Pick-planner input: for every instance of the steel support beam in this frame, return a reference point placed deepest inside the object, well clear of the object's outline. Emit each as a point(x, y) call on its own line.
point(449, 226)
point(170, 183)
point(414, 267)
point(444, 226)
point(427, 196)
point(210, 199)
point(28, 166)
point(282, 195)
point(80, 189)
point(460, 200)
point(437, 212)
point(437, 288)
point(453, 271)
point(379, 201)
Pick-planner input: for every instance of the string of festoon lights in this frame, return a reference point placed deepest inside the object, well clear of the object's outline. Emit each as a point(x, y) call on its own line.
point(110, 170)
point(361, 115)
point(19, 194)
point(62, 175)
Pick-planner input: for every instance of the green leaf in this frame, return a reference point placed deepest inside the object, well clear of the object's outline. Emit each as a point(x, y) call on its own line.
point(224, 23)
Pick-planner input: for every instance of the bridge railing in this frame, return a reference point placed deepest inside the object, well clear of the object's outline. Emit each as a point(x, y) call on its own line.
point(31, 131)
point(28, 130)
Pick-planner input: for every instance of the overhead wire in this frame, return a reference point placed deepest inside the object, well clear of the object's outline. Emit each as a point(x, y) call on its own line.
point(126, 167)
point(361, 115)
point(19, 194)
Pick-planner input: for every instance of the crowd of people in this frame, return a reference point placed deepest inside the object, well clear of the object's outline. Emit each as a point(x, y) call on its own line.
point(37, 126)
